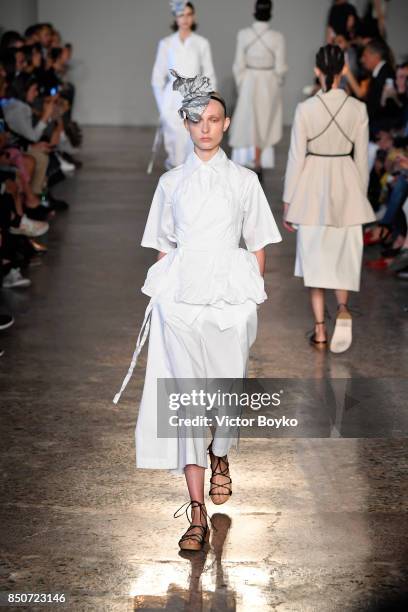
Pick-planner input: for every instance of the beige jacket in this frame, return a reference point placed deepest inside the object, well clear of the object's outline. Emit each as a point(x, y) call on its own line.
point(328, 190)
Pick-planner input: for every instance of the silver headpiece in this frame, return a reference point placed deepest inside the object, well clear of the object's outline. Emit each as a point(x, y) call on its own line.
point(177, 7)
point(196, 92)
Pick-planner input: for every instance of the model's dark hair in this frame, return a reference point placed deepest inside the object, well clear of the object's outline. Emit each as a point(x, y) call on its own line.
point(215, 95)
point(174, 25)
point(263, 10)
point(330, 60)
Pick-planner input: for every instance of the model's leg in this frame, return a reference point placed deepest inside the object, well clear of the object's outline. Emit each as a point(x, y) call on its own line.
point(317, 299)
point(226, 355)
point(342, 299)
point(195, 482)
point(342, 335)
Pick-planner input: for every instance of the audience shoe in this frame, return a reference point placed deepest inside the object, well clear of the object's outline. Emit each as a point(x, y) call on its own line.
point(30, 228)
point(15, 280)
point(6, 321)
point(37, 247)
point(56, 204)
point(66, 166)
point(378, 264)
point(403, 274)
point(1, 352)
point(40, 213)
point(401, 261)
point(72, 160)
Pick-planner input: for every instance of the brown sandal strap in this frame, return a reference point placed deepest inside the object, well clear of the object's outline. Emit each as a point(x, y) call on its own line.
point(220, 472)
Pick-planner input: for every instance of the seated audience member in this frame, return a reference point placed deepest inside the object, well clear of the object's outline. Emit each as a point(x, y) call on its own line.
point(383, 114)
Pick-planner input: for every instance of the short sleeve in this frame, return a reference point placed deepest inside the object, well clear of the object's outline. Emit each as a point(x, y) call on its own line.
point(259, 227)
point(159, 229)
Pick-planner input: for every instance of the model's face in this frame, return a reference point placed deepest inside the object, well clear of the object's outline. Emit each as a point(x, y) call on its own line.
point(207, 133)
point(186, 21)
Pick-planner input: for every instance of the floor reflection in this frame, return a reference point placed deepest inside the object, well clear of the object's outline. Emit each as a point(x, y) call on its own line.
point(163, 587)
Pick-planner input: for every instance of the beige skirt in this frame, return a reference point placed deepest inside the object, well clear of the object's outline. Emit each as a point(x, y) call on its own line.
point(329, 257)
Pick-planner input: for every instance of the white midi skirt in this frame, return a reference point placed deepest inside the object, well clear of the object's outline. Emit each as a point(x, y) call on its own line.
point(329, 257)
point(215, 345)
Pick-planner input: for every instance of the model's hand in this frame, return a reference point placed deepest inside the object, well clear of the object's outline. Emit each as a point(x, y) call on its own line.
point(286, 224)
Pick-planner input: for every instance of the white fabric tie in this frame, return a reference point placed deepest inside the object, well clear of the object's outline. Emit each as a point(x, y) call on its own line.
point(141, 339)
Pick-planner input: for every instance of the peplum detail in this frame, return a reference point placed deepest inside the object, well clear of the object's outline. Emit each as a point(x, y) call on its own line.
point(207, 277)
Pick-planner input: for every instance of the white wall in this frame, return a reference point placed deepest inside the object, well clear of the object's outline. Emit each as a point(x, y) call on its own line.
point(17, 14)
point(115, 43)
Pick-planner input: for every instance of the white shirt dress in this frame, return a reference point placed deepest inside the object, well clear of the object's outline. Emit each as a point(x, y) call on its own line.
point(204, 292)
point(188, 58)
point(326, 189)
point(259, 68)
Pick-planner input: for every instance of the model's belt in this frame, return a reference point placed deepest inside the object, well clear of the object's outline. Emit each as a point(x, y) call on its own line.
point(260, 68)
point(329, 154)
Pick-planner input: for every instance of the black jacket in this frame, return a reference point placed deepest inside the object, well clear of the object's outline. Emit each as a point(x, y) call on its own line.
point(381, 117)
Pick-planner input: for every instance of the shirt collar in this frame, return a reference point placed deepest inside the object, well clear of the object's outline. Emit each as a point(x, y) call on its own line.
point(217, 163)
point(377, 69)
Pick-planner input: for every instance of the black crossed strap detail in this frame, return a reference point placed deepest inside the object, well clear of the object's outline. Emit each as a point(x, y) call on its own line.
point(333, 120)
point(198, 537)
point(259, 37)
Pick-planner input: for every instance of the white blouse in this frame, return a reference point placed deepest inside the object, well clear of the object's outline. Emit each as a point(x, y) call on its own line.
point(198, 214)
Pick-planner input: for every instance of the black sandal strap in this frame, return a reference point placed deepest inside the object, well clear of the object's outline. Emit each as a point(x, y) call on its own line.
point(198, 537)
point(194, 504)
point(220, 472)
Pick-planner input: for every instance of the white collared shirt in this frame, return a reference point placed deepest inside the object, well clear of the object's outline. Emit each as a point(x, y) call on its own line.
point(209, 204)
point(377, 69)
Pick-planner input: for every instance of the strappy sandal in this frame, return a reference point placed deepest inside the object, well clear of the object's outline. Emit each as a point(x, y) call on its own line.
point(342, 335)
point(384, 234)
point(318, 343)
point(219, 497)
point(193, 540)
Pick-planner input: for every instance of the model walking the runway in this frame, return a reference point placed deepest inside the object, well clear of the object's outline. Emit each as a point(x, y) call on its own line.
point(204, 292)
point(189, 54)
point(259, 68)
point(325, 195)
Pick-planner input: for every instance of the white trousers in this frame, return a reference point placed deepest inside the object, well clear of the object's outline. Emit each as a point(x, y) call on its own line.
point(204, 349)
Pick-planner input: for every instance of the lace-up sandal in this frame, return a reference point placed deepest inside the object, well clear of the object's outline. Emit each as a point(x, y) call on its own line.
point(197, 535)
point(342, 335)
point(219, 492)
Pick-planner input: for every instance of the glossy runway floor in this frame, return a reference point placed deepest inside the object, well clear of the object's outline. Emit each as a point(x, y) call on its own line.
point(313, 524)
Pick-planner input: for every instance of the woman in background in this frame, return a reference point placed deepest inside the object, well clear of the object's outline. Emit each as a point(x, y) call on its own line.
point(259, 67)
point(325, 195)
point(189, 54)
